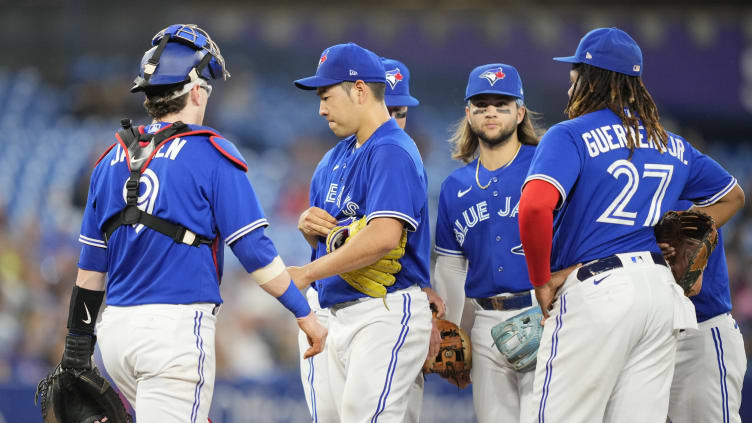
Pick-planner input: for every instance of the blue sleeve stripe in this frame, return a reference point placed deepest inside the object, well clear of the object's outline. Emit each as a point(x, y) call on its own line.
point(714, 199)
point(246, 229)
point(551, 181)
point(447, 252)
point(91, 241)
point(401, 216)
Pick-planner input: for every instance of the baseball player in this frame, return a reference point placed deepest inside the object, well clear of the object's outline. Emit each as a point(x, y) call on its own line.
point(478, 208)
point(161, 202)
point(315, 224)
point(596, 186)
point(378, 345)
point(710, 362)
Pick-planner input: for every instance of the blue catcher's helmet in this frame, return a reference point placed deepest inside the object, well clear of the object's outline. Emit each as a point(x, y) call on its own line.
point(181, 54)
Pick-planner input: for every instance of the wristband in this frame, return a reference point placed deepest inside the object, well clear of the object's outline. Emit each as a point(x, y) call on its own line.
point(84, 309)
point(294, 301)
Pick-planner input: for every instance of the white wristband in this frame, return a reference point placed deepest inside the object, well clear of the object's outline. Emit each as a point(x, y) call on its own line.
point(269, 272)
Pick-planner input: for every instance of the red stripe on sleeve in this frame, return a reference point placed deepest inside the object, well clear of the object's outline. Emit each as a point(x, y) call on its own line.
point(537, 204)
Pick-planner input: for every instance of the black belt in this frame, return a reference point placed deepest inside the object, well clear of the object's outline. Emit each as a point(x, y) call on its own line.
point(514, 302)
point(339, 306)
point(610, 263)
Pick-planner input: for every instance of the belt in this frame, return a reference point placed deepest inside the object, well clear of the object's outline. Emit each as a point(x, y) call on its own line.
point(514, 302)
point(610, 263)
point(339, 306)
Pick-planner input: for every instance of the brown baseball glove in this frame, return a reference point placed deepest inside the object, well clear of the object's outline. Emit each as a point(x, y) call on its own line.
point(454, 360)
point(693, 236)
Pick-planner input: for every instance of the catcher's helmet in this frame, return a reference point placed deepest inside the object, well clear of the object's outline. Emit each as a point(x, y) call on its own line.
point(182, 53)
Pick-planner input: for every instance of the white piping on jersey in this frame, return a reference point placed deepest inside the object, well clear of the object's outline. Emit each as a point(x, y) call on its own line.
point(91, 241)
point(714, 199)
point(390, 213)
point(246, 229)
point(550, 180)
point(447, 252)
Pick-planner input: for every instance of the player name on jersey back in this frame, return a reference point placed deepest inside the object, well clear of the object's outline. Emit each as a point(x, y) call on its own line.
point(612, 137)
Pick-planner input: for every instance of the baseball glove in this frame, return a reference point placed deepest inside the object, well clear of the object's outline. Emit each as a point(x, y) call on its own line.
point(371, 280)
point(693, 235)
point(79, 396)
point(455, 357)
point(518, 338)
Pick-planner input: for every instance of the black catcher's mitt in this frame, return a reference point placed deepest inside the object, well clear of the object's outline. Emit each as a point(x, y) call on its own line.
point(79, 396)
point(693, 235)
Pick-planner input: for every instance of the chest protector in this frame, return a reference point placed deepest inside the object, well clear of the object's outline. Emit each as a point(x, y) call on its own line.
point(141, 147)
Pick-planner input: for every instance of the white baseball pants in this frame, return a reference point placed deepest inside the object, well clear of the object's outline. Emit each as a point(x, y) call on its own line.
point(161, 357)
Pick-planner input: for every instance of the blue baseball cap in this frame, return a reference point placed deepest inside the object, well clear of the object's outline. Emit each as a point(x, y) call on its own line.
point(344, 62)
point(608, 48)
point(496, 78)
point(397, 84)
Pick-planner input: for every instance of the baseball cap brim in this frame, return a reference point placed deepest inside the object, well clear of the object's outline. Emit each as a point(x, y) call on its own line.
point(497, 92)
point(314, 82)
point(568, 59)
point(400, 100)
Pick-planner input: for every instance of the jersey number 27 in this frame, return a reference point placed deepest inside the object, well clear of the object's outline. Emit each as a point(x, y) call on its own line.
point(616, 213)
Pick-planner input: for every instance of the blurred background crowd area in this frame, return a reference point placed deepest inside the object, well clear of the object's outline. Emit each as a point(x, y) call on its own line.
point(67, 67)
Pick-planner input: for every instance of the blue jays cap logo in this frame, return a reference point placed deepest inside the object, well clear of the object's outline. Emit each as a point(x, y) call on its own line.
point(323, 58)
point(393, 77)
point(493, 75)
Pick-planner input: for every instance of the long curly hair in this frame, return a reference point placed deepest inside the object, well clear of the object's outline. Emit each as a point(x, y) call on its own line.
point(625, 95)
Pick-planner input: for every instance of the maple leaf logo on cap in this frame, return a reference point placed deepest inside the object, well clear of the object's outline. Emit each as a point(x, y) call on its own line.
point(493, 75)
point(393, 77)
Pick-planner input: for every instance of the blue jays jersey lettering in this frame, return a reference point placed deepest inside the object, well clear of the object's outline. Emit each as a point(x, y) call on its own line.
point(197, 180)
point(382, 178)
point(715, 297)
point(600, 216)
point(481, 225)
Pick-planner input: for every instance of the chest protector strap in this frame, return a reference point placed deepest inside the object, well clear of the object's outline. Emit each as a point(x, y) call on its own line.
point(131, 214)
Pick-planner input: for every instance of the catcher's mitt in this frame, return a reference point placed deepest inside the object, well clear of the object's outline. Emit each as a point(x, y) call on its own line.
point(518, 338)
point(455, 357)
point(371, 280)
point(79, 396)
point(693, 235)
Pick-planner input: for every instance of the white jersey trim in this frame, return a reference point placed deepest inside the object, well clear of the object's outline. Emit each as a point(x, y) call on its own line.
point(269, 272)
point(448, 252)
point(551, 181)
point(91, 241)
point(714, 199)
point(245, 230)
point(390, 213)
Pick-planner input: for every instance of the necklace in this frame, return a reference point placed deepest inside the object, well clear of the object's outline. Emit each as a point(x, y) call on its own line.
point(477, 169)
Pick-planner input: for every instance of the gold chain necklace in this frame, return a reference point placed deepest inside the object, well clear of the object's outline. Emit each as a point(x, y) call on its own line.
point(477, 169)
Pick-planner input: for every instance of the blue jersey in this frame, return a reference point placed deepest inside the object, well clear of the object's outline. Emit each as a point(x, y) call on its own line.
point(382, 178)
point(198, 181)
point(715, 296)
point(609, 201)
point(481, 225)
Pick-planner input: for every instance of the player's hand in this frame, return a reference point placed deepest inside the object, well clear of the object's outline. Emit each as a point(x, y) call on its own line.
point(298, 276)
point(667, 250)
point(545, 294)
point(315, 332)
point(436, 301)
point(316, 222)
point(435, 343)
